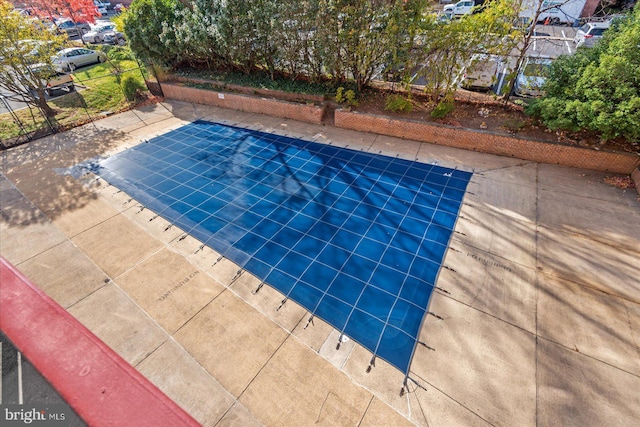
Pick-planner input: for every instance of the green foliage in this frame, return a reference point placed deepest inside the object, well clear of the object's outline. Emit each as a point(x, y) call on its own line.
point(132, 88)
point(443, 108)
point(346, 41)
point(145, 23)
point(514, 125)
point(120, 53)
point(599, 88)
point(398, 103)
point(450, 48)
point(367, 33)
point(346, 97)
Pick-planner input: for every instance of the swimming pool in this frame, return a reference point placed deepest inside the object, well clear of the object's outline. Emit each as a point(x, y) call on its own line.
point(356, 238)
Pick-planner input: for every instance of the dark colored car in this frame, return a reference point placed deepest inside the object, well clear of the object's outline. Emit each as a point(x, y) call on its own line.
point(73, 29)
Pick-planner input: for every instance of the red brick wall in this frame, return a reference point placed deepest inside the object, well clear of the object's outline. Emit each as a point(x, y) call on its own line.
point(250, 104)
point(487, 142)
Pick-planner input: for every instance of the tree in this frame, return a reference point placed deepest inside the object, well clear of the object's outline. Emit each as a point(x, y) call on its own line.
point(368, 31)
point(597, 88)
point(75, 10)
point(26, 49)
point(447, 49)
point(535, 10)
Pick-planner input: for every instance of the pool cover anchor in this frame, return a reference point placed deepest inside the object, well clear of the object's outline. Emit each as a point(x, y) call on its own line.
point(310, 321)
point(342, 338)
point(435, 315)
point(405, 385)
point(258, 290)
point(372, 364)
point(422, 343)
point(443, 290)
point(218, 260)
point(281, 304)
point(237, 276)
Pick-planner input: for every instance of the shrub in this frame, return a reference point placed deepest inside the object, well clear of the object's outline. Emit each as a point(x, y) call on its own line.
point(514, 125)
point(132, 88)
point(119, 53)
point(398, 103)
point(443, 108)
point(597, 88)
point(346, 97)
point(144, 22)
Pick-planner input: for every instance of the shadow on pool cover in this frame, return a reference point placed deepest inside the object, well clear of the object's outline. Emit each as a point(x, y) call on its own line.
point(356, 238)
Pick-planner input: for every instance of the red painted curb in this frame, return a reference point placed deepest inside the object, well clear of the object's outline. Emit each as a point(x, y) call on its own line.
point(98, 384)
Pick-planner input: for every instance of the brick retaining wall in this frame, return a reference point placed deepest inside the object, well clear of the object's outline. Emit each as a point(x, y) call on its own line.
point(487, 142)
point(250, 104)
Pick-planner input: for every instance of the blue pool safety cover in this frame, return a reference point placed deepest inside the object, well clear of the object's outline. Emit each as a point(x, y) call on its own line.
point(356, 238)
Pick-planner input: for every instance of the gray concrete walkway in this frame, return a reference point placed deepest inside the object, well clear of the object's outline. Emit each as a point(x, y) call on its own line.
point(540, 318)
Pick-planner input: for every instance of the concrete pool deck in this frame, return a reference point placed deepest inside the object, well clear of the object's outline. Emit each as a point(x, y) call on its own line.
point(538, 323)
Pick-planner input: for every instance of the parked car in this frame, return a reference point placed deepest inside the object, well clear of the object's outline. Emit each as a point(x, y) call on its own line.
point(482, 73)
point(57, 83)
point(96, 35)
point(590, 33)
point(532, 76)
point(72, 29)
point(105, 4)
point(103, 11)
point(71, 58)
point(115, 37)
point(461, 8)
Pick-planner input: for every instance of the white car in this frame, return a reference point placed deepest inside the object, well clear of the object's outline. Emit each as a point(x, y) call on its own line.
point(482, 73)
point(104, 4)
point(461, 8)
point(532, 76)
point(590, 33)
point(71, 58)
point(96, 35)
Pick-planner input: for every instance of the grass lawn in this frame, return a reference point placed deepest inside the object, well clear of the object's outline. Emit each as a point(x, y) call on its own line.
point(99, 89)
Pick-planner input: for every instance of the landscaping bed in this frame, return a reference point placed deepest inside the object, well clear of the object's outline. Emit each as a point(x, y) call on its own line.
point(477, 123)
point(480, 111)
